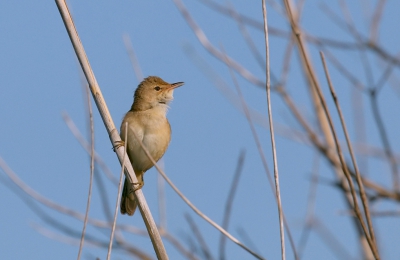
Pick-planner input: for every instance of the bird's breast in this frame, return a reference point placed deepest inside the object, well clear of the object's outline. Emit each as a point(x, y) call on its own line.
point(155, 134)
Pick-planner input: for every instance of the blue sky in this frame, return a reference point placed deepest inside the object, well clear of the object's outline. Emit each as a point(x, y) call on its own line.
point(40, 80)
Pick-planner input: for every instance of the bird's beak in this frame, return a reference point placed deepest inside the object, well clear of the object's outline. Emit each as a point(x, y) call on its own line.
point(176, 85)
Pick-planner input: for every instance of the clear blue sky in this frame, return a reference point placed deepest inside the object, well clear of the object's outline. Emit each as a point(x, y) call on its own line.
point(40, 79)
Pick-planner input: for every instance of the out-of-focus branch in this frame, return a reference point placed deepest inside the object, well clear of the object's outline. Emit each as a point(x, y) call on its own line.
point(132, 57)
point(78, 136)
point(376, 18)
point(309, 219)
point(229, 202)
point(385, 140)
point(199, 237)
point(330, 240)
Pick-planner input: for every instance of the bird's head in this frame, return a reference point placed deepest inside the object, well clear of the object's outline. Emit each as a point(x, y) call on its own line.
point(152, 92)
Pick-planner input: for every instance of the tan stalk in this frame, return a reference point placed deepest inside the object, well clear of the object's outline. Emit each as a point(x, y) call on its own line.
point(272, 134)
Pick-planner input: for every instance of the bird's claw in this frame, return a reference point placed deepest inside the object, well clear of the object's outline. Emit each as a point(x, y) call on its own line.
point(118, 144)
point(138, 187)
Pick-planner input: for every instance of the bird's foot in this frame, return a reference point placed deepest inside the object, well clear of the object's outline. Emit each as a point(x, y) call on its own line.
point(137, 186)
point(118, 144)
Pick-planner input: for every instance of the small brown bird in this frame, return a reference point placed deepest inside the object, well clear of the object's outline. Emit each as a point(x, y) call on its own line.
point(147, 118)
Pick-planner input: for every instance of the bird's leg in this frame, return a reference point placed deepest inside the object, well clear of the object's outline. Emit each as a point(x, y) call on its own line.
point(118, 144)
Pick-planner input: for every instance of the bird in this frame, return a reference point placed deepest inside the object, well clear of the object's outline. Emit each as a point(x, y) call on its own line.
point(147, 119)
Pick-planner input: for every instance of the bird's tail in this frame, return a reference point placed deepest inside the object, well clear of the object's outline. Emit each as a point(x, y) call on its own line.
point(128, 201)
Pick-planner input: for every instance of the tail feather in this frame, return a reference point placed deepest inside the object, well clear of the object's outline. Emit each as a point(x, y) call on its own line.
point(128, 201)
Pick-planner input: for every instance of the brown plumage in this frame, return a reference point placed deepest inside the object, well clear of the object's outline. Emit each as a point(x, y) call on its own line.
point(147, 118)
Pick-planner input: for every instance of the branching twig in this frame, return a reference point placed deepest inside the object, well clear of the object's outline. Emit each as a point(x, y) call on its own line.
point(348, 176)
point(363, 195)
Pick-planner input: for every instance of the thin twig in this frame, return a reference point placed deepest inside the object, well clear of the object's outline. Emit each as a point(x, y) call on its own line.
point(350, 25)
point(97, 177)
point(245, 19)
point(360, 129)
point(229, 202)
point(91, 176)
point(344, 71)
point(162, 208)
point(286, 63)
point(247, 239)
point(132, 57)
point(197, 234)
point(311, 198)
point(110, 127)
point(104, 196)
point(178, 245)
point(363, 195)
point(118, 197)
point(85, 144)
point(246, 36)
point(385, 139)
point(376, 18)
point(271, 126)
point(333, 243)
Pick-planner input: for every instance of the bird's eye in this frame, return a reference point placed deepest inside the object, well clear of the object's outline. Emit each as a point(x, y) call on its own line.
point(157, 88)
